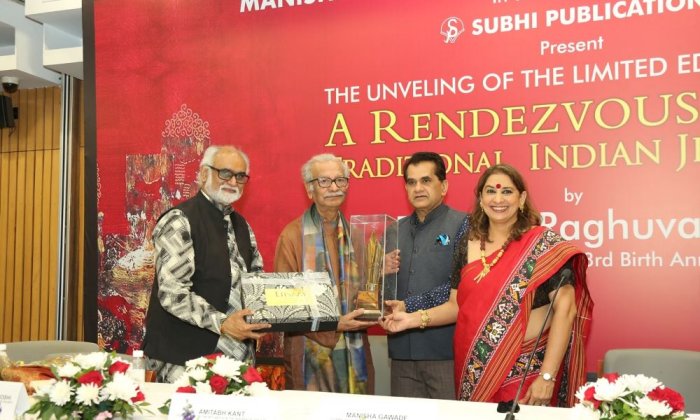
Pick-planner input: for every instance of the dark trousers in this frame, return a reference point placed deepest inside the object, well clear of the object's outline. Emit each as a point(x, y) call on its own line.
point(423, 379)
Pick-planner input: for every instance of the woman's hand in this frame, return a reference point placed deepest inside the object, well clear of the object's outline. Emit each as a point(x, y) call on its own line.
point(399, 321)
point(539, 393)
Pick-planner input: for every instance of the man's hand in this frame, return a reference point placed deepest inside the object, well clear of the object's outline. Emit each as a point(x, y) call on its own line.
point(348, 322)
point(395, 306)
point(392, 261)
point(236, 327)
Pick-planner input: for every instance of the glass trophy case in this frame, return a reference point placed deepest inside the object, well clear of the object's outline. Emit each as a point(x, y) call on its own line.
point(373, 238)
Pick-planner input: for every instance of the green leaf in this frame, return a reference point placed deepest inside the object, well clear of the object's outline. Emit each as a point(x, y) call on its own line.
point(45, 415)
point(165, 408)
point(51, 410)
point(34, 408)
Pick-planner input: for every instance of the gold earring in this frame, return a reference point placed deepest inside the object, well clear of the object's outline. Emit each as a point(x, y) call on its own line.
point(522, 207)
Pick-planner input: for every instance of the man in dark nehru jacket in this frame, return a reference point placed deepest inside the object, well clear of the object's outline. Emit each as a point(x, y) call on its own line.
point(202, 247)
point(422, 359)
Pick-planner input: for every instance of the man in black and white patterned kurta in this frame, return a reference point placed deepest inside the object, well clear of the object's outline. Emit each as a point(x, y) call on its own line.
point(202, 247)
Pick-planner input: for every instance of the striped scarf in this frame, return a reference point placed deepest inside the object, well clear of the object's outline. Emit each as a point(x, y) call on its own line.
point(344, 368)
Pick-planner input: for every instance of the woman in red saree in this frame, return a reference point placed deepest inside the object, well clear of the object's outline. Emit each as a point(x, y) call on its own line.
point(506, 274)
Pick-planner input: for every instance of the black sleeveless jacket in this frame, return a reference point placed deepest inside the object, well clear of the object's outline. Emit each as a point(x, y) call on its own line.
point(168, 338)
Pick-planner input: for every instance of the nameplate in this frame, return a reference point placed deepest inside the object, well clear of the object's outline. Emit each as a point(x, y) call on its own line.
point(13, 400)
point(220, 407)
point(288, 297)
point(347, 407)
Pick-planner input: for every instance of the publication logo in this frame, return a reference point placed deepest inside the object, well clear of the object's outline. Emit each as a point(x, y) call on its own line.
point(451, 29)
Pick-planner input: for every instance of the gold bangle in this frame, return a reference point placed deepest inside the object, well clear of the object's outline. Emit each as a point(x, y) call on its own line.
point(424, 318)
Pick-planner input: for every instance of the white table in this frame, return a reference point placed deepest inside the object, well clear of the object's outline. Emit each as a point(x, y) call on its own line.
point(304, 405)
point(312, 405)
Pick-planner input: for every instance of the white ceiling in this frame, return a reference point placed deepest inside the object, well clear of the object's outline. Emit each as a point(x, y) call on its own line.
point(40, 40)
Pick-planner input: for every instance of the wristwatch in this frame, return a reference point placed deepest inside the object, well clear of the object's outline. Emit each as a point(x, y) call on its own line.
point(547, 376)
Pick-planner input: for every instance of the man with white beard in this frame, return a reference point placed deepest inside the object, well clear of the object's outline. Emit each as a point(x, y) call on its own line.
point(319, 240)
point(202, 246)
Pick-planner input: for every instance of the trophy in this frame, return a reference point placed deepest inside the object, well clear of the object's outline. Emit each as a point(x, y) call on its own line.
point(373, 238)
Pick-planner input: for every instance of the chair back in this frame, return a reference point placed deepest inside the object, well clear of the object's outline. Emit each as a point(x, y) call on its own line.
point(677, 369)
point(33, 351)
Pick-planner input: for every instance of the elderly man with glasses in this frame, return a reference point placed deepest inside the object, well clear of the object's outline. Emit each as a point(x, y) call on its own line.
point(334, 361)
point(202, 246)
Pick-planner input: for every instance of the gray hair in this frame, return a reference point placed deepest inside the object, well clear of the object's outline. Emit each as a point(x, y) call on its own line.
point(212, 151)
point(306, 174)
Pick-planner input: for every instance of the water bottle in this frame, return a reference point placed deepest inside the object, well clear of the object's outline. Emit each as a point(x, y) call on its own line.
point(138, 367)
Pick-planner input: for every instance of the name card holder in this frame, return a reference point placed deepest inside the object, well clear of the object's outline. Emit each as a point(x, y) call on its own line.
point(13, 400)
point(223, 407)
point(346, 407)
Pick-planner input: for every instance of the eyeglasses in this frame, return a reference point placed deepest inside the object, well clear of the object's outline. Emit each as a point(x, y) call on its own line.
point(227, 174)
point(323, 182)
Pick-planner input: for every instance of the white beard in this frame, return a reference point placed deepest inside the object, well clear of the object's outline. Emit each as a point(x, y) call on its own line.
point(225, 195)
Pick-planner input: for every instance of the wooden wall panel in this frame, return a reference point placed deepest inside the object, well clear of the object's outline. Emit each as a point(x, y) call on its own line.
point(29, 200)
point(78, 187)
point(6, 233)
point(10, 298)
point(34, 99)
point(47, 319)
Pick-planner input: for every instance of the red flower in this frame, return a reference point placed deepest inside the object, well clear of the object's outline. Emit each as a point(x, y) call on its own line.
point(92, 377)
point(669, 396)
point(120, 367)
point(218, 384)
point(186, 390)
point(611, 377)
point(213, 356)
point(252, 375)
point(139, 396)
point(588, 395)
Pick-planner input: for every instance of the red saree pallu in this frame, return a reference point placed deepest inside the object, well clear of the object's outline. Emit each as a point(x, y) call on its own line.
point(510, 386)
point(490, 354)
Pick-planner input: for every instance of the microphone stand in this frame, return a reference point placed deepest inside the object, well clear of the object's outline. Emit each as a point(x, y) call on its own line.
point(511, 413)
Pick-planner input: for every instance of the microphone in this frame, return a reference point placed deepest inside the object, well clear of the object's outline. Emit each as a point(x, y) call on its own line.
point(514, 407)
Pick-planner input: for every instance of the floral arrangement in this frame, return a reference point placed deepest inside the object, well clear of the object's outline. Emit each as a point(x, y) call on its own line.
point(220, 374)
point(629, 397)
point(91, 386)
point(217, 374)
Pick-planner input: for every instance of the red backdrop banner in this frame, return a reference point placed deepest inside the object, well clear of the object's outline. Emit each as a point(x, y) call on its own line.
point(596, 103)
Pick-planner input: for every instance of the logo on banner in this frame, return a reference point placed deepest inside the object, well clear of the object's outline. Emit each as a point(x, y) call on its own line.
point(451, 29)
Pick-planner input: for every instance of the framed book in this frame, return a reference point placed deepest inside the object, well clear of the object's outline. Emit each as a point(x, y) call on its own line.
point(291, 302)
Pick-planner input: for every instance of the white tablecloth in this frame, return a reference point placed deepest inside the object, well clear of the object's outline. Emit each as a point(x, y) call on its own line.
point(304, 405)
point(307, 405)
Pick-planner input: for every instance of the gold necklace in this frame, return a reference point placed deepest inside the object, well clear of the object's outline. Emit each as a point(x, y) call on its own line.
point(487, 267)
